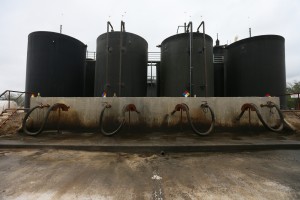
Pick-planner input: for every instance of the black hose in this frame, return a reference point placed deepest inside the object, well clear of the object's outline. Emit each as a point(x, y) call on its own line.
point(212, 124)
point(185, 107)
point(265, 124)
point(44, 121)
point(101, 123)
point(272, 105)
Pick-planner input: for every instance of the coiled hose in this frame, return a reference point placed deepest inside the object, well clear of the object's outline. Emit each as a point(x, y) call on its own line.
point(265, 124)
point(204, 106)
point(212, 124)
point(101, 122)
point(44, 121)
point(273, 105)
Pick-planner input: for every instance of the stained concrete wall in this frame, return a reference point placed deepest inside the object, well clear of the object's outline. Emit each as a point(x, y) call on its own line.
point(155, 112)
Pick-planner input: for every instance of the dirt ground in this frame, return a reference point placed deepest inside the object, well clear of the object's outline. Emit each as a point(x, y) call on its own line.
point(58, 174)
point(64, 174)
point(294, 119)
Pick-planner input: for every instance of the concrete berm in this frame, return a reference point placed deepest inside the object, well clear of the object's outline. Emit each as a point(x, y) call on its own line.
point(155, 112)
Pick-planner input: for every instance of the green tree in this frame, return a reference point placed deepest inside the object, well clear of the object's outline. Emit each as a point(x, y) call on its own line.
point(292, 88)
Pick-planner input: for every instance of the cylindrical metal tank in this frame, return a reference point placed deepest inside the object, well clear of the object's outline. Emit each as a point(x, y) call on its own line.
point(121, 65)
point(55, 65)
point(256, 67)
point(219, 58)
point(180, 72)
point(89, 77)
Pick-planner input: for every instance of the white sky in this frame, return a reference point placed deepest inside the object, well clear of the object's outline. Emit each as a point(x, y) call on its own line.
point(153, 20)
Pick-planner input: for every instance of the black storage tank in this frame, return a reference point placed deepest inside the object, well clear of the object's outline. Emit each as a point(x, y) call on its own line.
point(175, 69)
point(256, 67)
point(219, 59)
point(55, 65)
point(121, 65)
point(89, 77)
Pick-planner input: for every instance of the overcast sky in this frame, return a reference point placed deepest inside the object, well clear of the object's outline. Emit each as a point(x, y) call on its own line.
point(153, 20)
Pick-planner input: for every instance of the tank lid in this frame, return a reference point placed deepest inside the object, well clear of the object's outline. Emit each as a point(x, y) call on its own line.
point(256, 38)
point(49, 33)
point(184, 35)
point(117, 34)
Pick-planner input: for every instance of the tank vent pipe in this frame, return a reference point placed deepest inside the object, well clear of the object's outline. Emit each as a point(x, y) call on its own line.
point(204, 51)
point(109, 25)
point(122, 26)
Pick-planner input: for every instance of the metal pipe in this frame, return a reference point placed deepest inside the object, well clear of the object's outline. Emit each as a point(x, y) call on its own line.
point(58, 123)
point(15, 92)
point(120, 60)
point(181, 130)
point(123, 26)
point(151, 74)
point(204, 53)
point(107, 55)
point(109, 25)
point(190, 26)
point(181, 27)
point(8, 99)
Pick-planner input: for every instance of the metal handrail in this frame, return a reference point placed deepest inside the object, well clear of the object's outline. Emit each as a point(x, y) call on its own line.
point(91, 54)
point(14, 91)
point(154, 56)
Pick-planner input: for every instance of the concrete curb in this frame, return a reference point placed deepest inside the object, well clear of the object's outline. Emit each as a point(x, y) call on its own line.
point(159, 149)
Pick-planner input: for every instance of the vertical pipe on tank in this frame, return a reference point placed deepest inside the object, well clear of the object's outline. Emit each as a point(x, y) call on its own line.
point(190, 26)
point(204, 51)
point(107, 55)
point(205, 66)
point(120, 64)
point(120, 60)
point(107, 50)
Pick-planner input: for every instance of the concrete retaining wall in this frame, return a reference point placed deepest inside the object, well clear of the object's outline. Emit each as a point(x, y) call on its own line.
point(155, 112)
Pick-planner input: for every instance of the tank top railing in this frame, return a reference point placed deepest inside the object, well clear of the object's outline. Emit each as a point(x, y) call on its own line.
point(218, 59)
point(153, 57)
point(91, 55)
